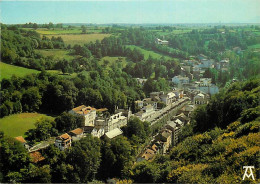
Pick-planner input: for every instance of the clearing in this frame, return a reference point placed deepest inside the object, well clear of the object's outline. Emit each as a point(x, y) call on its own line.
point(148, 52)
point(113, 60)
point(7, 70)
point(17, 124)
point(56, 53)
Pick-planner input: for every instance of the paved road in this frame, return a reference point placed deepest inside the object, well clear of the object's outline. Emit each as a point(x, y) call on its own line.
point(161, 113)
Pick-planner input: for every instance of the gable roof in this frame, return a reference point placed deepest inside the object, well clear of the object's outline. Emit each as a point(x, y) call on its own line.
point(36, 156)
point(77, 131)
point(148, 154)
point(83, 109)
point(64, 137)
point(20, 139)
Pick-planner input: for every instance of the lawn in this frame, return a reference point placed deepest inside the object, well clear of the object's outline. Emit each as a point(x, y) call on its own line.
point(148, 52)
point(81, 39)
point(17, 124)
point(7, 70)
point(56, 53)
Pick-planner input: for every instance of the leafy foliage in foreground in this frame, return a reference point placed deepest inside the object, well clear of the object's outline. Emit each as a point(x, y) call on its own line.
point(219, 152)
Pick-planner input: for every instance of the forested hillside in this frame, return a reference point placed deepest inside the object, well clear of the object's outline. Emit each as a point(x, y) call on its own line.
point(224, 137)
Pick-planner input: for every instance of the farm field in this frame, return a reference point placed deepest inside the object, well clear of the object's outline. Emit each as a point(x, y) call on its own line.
point(18, 124)
point(147, 52)
point(7, 70)
point(56, 53)
point(80, 39)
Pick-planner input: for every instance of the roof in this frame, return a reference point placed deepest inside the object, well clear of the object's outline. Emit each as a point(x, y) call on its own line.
point(171, 124)
point(36, 156)
point(20, 139)
point(77, 131)
point(154, 147)
point(113, 133)
point(177, 121)
point(148, 154)
point(65, 137)
point(166, 134)
point(83, 109)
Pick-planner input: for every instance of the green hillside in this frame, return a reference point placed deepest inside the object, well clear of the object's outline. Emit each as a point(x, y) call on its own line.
point(7, 70)
point(18, 124)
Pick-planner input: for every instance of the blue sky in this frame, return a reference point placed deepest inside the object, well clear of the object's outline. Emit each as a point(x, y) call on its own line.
point(131, 11)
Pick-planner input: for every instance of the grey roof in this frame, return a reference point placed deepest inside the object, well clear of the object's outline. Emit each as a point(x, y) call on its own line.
point(113, 133)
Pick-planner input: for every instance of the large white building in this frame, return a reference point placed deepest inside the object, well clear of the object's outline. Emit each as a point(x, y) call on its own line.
point(114, 121)
point(89, 114)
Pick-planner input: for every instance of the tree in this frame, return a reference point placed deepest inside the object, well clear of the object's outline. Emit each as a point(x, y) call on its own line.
point(66, 122)
point(84, 157)
point(44, 129)
point(84, 29)
point(31, 99)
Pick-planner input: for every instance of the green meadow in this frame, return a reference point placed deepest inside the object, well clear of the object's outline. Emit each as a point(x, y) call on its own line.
point(56, 53)
point(148, 52)
point(7, 70)
point(17, 124)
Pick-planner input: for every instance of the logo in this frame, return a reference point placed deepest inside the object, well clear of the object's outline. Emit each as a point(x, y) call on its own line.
point(246, 172)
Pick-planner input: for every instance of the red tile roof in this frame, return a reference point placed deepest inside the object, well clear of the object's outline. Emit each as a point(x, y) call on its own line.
point(20, 139)
point(65, 137)
point(36, 156)
point(77, 131)
point(83, 109)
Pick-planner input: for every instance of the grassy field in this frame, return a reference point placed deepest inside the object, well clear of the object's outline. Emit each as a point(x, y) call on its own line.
point(18, 124)
point(56, 53)
point(147, 53)
point(7, 70)
point(80, 39)
point(112, 60)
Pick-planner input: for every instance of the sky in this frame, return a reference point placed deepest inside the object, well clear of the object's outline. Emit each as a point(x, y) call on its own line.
point(130, 11)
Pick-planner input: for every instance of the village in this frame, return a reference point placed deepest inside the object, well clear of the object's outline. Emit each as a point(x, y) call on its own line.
point(190, 89)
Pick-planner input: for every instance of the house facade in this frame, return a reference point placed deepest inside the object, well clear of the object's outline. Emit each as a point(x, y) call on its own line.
point(114, 121)
point(89, 113)
point(63, 141)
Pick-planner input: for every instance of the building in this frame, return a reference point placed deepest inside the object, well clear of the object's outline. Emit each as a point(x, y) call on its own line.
point(114, 121)
point(224, 63)
point(113, 133)
point(141, 81)
point(36, 157)
point(98, 132)
point(210, 89)
point(165, 137)
point(89, 114)
point(161, 42)
point(63, 141)
point(76, 134)
point(147, 155)
point(147, 112)
point(168, 98)
point(23, 141)
point(139, 103)
point(200, 99)
point(180, 80)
